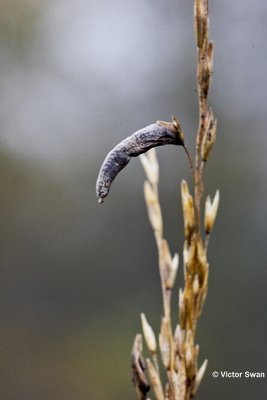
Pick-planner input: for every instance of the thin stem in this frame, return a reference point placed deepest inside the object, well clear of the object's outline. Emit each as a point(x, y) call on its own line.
point(189, 159)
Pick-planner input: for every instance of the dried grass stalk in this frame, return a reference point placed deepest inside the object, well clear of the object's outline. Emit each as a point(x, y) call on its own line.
point(178, 350)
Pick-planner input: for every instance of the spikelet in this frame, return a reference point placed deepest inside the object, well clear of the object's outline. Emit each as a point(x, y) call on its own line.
point(188, 210)
point(209, 137)
point(151, 166)
point(155, 380)
point(154, 211)
point(148, 335)
point(211, 209)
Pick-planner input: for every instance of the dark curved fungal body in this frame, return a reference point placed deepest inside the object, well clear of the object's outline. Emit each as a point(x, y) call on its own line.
point(139, 142)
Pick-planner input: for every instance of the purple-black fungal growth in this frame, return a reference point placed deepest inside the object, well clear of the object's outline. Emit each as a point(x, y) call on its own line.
point(139, 142)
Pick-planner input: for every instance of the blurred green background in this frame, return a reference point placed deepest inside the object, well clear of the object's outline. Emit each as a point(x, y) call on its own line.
point(75, 79)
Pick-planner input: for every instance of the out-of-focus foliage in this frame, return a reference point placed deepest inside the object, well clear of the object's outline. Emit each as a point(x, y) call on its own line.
point(75, 78)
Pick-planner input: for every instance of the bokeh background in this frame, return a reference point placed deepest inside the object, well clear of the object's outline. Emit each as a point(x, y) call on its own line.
point(75, 79)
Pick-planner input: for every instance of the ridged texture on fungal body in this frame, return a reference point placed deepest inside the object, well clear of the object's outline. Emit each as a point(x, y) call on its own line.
point(139, 142)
